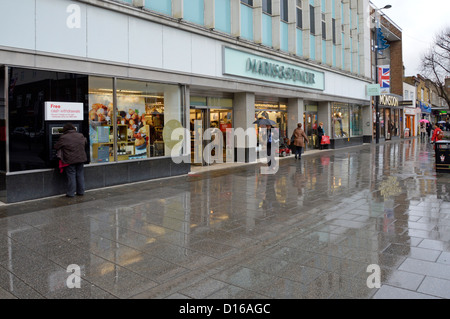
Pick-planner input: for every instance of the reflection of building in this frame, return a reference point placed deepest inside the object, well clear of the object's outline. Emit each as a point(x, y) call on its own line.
point(221, 64)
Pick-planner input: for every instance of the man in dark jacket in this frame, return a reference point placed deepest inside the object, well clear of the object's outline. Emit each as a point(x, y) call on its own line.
point(72, 145)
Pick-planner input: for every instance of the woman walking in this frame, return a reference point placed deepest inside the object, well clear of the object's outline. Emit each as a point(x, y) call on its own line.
point(299, 140)
point(320, 133)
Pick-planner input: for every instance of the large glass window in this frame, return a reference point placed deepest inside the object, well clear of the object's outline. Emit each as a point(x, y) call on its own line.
point(356, 122)
point(133, 129)
point(143, 109)
point(312, 20)
point(31, 137)
point(340, 120)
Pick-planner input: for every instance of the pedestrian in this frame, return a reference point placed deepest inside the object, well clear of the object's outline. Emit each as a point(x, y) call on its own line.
point(423, 131)
point(299, 140)
point(437, 134)
point(72, 146)
point(428, 129)
point(320, 133)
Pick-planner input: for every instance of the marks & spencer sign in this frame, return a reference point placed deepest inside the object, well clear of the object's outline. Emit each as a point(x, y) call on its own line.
point(256, 67)
point(63, 111)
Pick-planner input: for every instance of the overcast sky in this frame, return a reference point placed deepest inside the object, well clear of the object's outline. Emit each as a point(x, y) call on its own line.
point(419, 21)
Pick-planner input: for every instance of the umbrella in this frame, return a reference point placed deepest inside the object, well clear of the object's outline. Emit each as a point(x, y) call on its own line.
point(425, 121)
point(262, 121)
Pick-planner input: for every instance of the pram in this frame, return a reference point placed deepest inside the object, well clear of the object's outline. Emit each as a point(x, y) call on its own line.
point(284, 149)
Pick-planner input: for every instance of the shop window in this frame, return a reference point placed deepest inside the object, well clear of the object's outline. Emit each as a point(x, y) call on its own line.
point(356, 121)
point(101, 119)
point(340, 120)
point(31, 137)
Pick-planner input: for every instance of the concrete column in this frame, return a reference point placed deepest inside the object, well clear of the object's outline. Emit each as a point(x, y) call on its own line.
point(292, 27)
point(276, 28)
point(354, 35)
point(346, 24)
point(235, 17)
point(318, 26)
point(295, 111)
point(324, 116)
point(338, 18)
point(306, 30)
point(210, 21)
point(257, 21)
point(177, 9)
point(329, 32)
point(243, 118)
point(365, 52)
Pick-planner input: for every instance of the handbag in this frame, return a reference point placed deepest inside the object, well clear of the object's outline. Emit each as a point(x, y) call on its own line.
point(325, 140)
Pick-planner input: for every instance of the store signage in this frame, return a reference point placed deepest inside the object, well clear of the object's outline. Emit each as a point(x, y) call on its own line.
point(252, 66)
point(373, 89)
point(388, 100)
point(63, 111)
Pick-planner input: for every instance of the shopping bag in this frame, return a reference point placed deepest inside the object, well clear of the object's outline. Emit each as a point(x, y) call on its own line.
point(325, 140)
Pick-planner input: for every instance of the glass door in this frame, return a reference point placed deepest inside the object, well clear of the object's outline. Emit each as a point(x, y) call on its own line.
point(310, 125)
point(198, 123)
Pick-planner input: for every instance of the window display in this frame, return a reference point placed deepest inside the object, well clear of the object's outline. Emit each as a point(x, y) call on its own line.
point(340, 120)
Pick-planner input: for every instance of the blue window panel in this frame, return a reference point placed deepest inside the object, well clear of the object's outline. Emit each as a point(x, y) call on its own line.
point(284, 37)
point(343, 50)
point(312, 44)
point(161, 6)
point(299, 42)
point(323, 6)
point(267, 30)
point(324, 51)
point(194, 11)
point(334, 55)
point(246, 22)
point(223, 15)
point(351, 56)
point(311, 2)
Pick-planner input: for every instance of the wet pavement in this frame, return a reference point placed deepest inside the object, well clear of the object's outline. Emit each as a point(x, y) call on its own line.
point(332, 225)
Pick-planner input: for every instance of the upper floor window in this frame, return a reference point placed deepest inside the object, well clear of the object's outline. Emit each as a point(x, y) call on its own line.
point(299, 14)
point(267, 6)
point(333, 30)
point(312, 20)
point(406, 94)
point(324, 27)
point(284, 10)
point(249, 2)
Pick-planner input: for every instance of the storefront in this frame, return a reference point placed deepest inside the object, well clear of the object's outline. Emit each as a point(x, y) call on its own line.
point(391, 117)
point(346, 124)
point(311, 124)
point(123, 119)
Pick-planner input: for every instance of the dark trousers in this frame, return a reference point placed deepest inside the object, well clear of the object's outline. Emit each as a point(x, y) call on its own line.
point(75, 179)
point(269, 153)
point(298, 151)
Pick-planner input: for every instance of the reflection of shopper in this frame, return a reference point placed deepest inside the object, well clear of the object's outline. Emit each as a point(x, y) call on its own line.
point(299, 140)
point(423, 131)
point(72, 145)
point(428, 130)
point(320, 133)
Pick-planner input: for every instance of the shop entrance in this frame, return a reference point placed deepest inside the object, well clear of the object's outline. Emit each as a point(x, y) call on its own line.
point(201, 119)
point(310, 125)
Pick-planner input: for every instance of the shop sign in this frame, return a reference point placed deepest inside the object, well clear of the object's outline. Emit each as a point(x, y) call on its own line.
point(373, 90)
point(256, 67)
point(388, 100)
point(63, 111)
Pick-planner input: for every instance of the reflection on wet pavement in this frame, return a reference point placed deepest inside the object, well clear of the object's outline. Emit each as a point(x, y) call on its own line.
point(308, 231)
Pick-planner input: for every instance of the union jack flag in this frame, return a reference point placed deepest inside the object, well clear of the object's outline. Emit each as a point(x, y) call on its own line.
point(384, 73)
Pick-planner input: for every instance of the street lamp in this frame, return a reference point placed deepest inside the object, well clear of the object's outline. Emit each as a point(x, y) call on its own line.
point(377, 112)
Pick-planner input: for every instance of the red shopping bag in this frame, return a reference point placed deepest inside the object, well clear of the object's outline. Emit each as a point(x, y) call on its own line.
point(325, 140)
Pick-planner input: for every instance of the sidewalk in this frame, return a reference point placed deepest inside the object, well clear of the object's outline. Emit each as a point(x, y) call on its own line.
point(309, 231)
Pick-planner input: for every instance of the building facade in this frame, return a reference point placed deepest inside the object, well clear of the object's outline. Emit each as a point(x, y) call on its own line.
point(128, 73)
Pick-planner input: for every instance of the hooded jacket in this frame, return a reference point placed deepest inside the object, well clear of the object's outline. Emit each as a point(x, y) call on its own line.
point(72, 145)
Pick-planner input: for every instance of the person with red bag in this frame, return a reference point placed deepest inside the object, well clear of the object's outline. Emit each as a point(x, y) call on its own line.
point(438, 134)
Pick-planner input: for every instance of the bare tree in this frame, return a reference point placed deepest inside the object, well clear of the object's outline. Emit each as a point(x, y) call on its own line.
point(436, 64)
